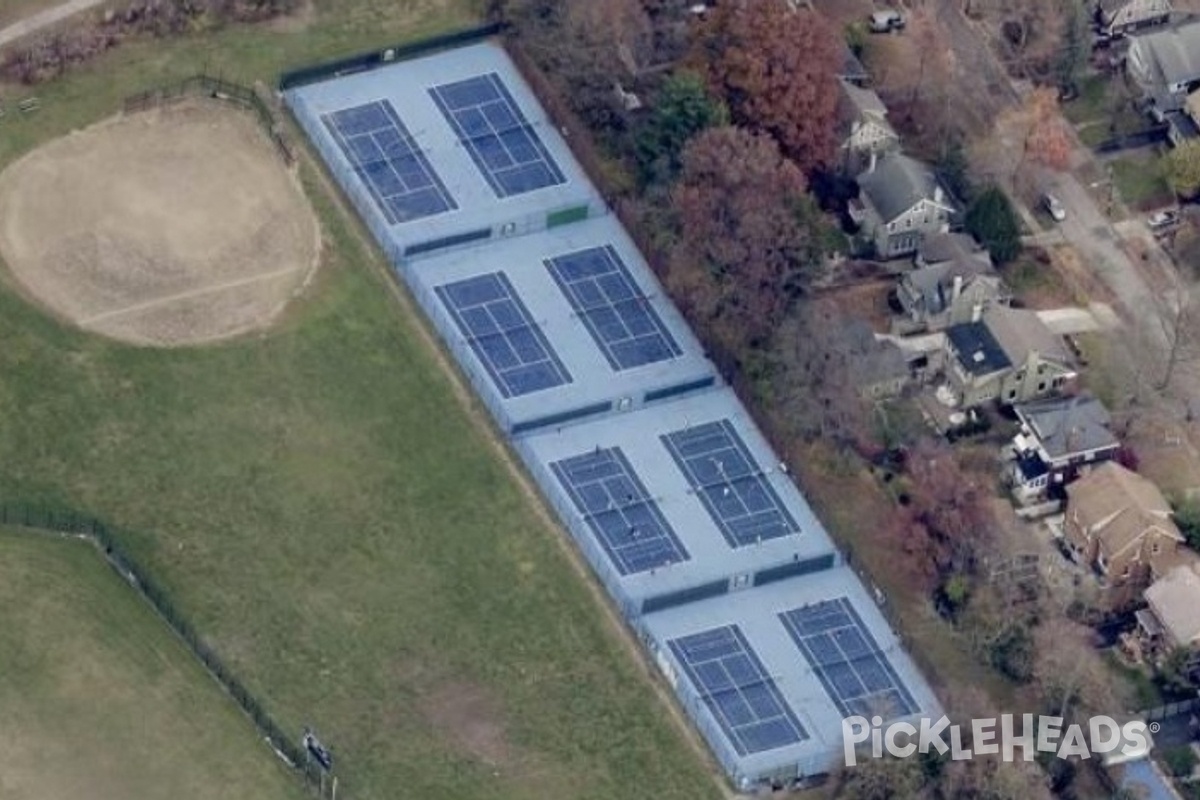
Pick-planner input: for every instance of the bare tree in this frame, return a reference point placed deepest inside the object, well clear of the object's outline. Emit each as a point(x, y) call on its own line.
point(1070, 672)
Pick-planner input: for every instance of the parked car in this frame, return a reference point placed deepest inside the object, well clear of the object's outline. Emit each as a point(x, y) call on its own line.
point(1161, 220)
point(887, 21)
point(1054, 207)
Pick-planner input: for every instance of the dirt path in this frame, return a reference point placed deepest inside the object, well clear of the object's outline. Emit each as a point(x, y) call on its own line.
point(44, 19)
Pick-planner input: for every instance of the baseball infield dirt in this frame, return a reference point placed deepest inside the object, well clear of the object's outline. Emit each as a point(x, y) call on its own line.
point(174, 226)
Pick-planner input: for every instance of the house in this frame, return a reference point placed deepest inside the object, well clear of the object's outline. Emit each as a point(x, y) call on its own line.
point(953, 281)
point(1171, 618)
point(1184, 125)
point(1060, 439)
point(1118, 17)
point(900, 201)
point(1006, 354)
point(1165, 64)
point(1119, 523)
point(862, 126)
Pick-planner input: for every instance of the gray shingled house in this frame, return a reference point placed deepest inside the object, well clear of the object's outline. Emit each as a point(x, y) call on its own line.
point(900, 201)
point(1165, 64)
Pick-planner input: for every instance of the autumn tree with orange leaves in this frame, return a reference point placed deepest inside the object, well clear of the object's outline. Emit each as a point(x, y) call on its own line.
point(775, 68)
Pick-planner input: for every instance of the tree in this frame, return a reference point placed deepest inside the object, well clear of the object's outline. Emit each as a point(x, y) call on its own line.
point(818, 350)
point(951, 503)
point(682, 108)
point(880, 779)
point(991, 219)
point(1069, 671)
point(748, 234)
point(775, 67)
point(1187, 519)
point(1183, 169)
point(1181, 760)
point(1046, 141)
point(1076, 44)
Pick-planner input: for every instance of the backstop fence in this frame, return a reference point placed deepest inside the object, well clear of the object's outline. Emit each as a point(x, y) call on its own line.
point(217, 88)
point(68, 522)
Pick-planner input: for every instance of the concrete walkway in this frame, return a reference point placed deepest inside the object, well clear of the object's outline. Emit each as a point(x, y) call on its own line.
point(44, 19)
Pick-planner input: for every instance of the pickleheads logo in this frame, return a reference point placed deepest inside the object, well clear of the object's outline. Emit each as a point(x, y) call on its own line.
point(1102, 735)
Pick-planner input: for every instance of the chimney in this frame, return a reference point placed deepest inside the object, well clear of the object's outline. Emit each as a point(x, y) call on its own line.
point(976, 312)
point(871, 163)
point(958, 283)
point(938, 194)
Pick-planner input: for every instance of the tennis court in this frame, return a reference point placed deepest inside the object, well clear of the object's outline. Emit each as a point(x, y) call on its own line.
point(489, 124)
point(731, 485)
point(856, 674)
point(736, 688)
point(620, 512)
point(503, 335)
point(616, 312)
point(386, 158)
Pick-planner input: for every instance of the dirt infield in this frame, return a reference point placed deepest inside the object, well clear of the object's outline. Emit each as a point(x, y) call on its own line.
point(173, 226)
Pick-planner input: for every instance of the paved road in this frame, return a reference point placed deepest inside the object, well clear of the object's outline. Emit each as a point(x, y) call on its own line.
point(44, 19)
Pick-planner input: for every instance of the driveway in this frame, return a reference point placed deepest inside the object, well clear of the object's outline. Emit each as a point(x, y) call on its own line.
point(44, 19)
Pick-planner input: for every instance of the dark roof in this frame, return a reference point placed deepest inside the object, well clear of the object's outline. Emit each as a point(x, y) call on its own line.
point(1065, 425)
point(1031, 466)
point(931, 289)
point(978, 351)
point(1185, 127)
point(897, 183)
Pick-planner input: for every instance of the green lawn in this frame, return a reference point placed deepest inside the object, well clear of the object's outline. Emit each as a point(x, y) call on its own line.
point(329, 512)
point(98, 699)
point(1094, 100)
point(1141, 181)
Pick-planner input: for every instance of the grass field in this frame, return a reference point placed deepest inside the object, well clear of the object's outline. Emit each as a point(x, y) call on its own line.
point(98, 699)
point(328, 509)
point(1141, 181)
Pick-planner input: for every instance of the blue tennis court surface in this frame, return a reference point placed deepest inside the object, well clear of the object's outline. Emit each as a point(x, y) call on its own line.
point(737, 690)
point(616, 312)
point(723, 473)
point(856, 674)
point(386, 158)
point(616, 506)
point(501, 142)
point(503, 335)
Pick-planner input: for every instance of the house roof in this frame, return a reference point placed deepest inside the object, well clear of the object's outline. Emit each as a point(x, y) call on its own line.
point(1119, 507)
point(1020, 332)
point(936, 248)
point(1175, 50)
point(1065, 425)
point(897, 183)
point(1175, 599)
point(978, 351)
point(856, 105)
point(931, 288)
